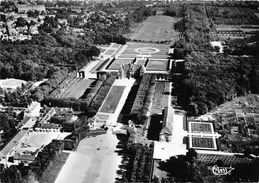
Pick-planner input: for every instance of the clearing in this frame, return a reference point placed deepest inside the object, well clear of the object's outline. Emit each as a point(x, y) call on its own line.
point(156, 29)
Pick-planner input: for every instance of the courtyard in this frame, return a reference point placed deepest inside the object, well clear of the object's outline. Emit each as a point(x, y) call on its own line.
point(100, 161)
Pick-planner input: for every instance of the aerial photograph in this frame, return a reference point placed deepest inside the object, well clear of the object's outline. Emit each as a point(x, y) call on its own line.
point(129, 91)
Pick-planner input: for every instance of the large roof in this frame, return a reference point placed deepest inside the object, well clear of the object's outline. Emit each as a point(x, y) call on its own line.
point(168, 121)
point(13, 142)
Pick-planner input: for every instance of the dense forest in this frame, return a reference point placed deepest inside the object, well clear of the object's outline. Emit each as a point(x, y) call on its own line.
point(232, 15)
point(136, 162)
point(36, 59)
point(209, 78)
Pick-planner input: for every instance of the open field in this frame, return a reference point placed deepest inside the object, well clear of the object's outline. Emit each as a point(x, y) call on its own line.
point(94, 161)
point(77, 88)
point(156, 29)
point(201, 127)
point(112, 100)
point(157, 65)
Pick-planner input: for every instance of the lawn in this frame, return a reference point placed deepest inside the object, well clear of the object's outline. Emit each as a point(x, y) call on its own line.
point(140, 61)
point(135, 48)
point(201, 127)
point(157, 65)
point(118, 62)
point(156, 29)
point(77, 88)
point(109, 52)
point(158, 102)
point(112, 100)
point(202, 142)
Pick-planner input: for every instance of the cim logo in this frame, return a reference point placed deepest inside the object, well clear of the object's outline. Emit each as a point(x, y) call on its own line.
point(221, 170)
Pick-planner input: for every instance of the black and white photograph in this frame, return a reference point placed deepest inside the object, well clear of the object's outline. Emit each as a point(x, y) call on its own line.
point(129, 91)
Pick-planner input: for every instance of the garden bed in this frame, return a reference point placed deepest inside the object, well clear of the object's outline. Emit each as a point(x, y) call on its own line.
point(112, 100)
point(201, 127)
point(157, 65)
point(203, 142)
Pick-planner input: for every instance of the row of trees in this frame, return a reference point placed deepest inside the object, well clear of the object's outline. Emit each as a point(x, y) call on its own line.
point(187, 168)
point(232, 15)
point(62, 87)
point(143, 95)
point(76, 104)
point(89, 104)
point(20, 173)
point(136, 164)
point(8, 123)
point(102, 93)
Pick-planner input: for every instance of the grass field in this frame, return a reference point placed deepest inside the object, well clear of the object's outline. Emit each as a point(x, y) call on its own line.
point(201, 127)
point(140, 61)
point(156, 29)
point(77, 88)
point(116, 63)
point(109, 52)
point(157, 65)
point(134, 50)
point(112, 100)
